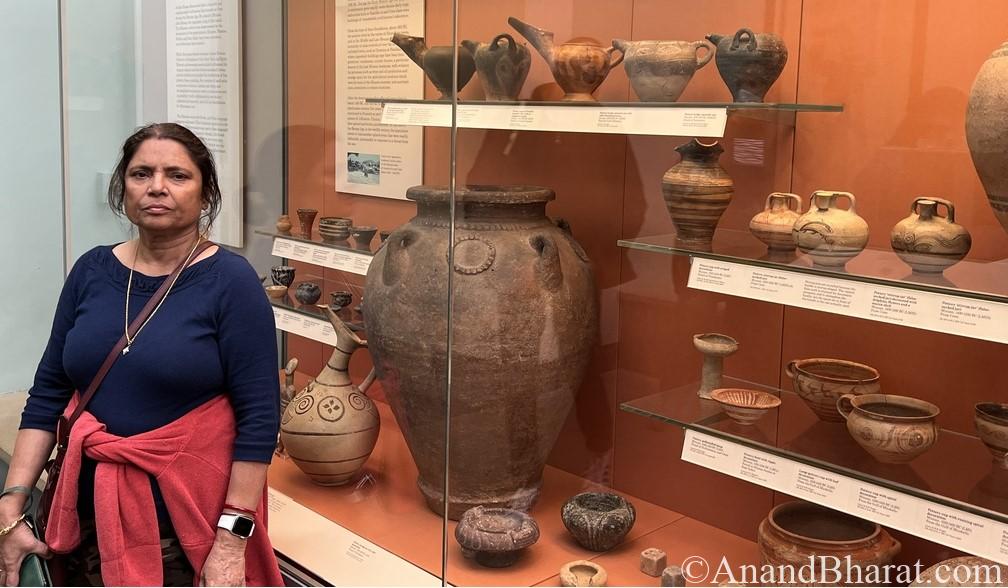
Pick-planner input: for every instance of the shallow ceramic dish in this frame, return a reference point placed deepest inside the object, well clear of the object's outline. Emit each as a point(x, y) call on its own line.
point(583, 573)
point(743, 406)
point(276, 291)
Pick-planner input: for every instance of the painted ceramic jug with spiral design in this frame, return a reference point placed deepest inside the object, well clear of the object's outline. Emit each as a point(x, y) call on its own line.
point(330, 427)
point(524, 325)
point(928, 242)
point(697, 191)
point(828, 234)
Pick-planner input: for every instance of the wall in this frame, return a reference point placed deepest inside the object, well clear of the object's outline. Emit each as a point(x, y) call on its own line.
point(30, 162)
point(900, 135)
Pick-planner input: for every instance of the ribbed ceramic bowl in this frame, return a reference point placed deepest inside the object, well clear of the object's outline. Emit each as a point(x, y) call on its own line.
point(743, 406)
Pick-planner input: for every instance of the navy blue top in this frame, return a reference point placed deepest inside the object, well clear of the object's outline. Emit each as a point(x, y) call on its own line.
point(214, 334)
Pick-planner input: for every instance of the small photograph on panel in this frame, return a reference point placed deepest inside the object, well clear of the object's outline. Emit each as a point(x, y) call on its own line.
point(363, 168)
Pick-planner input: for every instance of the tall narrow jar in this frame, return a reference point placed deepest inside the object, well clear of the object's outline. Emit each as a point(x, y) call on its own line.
point(697, 191)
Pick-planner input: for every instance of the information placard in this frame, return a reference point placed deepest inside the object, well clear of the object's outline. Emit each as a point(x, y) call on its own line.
point(317, 254)
point(624, 120)
point(930, 311)
point(296, 323)
point(895, 509)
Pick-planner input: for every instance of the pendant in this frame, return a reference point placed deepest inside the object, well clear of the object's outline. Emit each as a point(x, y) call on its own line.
point(125, 350)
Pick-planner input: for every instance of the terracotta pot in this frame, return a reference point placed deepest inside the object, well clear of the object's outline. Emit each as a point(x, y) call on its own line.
point(987, 130)
point(308, 293)
point(330, 427)
point(991, 421)
point(794, 532)
point(598, 520)
point(714, 347)
point(697, 191)
point(525, 324)
point(502, 65)
point(964, 571)
point(893, 429)
point(579, 66)
point(283, 224)
point(820, 382)
point(749, 63)
point(929, 243)
point(660, 70)
point(306, 218)
point(830, 235)
point(583, 573)
point(437, 62)
point(283, 275)
point(495, 537)
point(773, 225)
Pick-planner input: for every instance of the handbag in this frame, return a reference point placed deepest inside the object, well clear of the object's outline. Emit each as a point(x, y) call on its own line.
point(34, 569)
point(64, 424)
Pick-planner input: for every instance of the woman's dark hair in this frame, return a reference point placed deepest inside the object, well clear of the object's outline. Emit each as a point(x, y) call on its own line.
point(193, 145)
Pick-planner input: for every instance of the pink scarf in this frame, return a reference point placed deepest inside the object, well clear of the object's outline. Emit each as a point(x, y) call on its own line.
point(191, 460)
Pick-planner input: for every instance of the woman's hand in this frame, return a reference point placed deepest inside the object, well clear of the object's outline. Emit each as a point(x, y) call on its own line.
point(15, 546)
point(225, 565)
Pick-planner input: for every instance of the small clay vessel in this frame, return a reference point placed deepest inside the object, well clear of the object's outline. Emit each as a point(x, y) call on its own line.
point(773, 225)
point(991, 421)
point(929, 243)
point(306, 219)
point(495, 537)
point(276, 291)
point(893, 429)
point(330, 428)
point(987, 130)
point(363, 236)
point(715, 347)
point(282, 275)
point(660, 70)
point(583, 573)
point(334, 229)
point(437, 62)
point(697, 191)
point(339, 300)
point(967, 570)
point(743, 406)
point(502, 66)
point(794, 533)
point(283, 224)
point(579, 66)
point(598, 520)
point(749, 63)
point(830, 235)
point(308, 293)
point(820, 382)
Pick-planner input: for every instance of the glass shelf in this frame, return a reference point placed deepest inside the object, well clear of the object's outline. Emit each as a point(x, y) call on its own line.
point(976, 486)
point(981, 280)
point(337, 245)
point(349, 316)
point(732, 106)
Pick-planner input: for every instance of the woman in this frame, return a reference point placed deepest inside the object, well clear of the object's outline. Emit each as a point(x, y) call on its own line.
point(192, 403)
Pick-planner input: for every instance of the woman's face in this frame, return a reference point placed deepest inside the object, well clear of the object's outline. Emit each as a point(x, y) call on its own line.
point(164, 188)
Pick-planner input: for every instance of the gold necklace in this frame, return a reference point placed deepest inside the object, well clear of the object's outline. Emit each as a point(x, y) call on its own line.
point(129, 284)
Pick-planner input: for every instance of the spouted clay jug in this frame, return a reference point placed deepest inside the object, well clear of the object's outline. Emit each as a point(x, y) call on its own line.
point(828, 234)
point(437, 62)
point(773, 225)
point(927, 242)
point(502, 66)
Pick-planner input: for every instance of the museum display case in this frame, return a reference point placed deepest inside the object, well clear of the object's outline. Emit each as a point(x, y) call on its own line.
point(585, 291)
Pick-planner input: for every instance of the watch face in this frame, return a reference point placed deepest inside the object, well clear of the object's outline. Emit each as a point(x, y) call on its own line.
point(242, 526)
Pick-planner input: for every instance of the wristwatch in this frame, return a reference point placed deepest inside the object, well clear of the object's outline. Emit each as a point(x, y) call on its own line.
point(236, 524)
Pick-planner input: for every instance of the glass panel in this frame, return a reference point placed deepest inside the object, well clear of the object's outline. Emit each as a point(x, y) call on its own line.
point(567, 379)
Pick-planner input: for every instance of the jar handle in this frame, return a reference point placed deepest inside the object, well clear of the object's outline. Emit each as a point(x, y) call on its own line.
point(949, 208)
point(844, 406)
point(702, 61)
point(737, 40)
point(787, 195)
point(613, 62)
point(789, 369)
point(848, 195)
point(512, 46)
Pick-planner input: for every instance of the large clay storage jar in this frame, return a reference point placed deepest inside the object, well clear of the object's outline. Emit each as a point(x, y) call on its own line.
point(773, 225)
point(330, 427)
point(794, 533)
point(927, 242)
point(893, 429)
point(524, 326)
point(697, 191)
point(828, 234)
point(502, 66)
point(987, 130)
point(660, 70)
point(749, 63)
point(820, 382)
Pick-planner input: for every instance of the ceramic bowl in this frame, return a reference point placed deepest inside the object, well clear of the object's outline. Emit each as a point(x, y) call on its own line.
point(991, 420)
point(335, 220)
point(820, 382)
point(715, 344)
point(276, 291)
point(583, 573)
point(743, 406)
point(495, 537)
point(340, 299)
point(334, 234)
point(308, 293)
point(893, 429)
point(282, 275)
point(363, 236)
point(598, 520)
